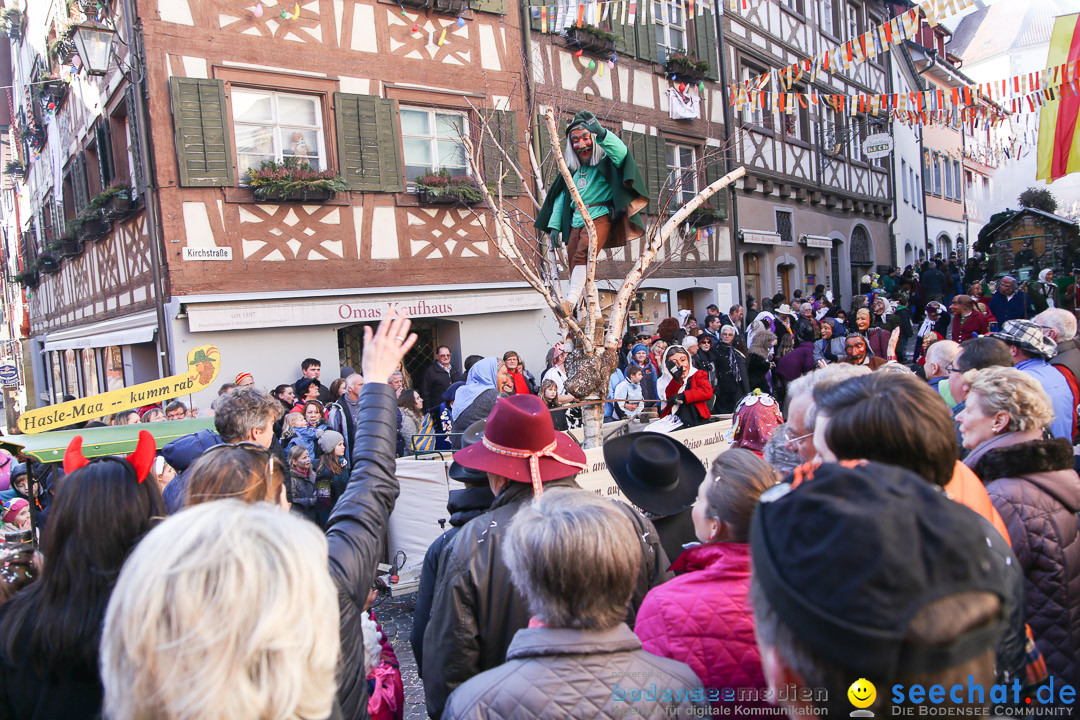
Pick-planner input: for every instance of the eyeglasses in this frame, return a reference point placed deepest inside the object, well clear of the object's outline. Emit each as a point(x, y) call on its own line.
point(952, 369)
point(797, 438)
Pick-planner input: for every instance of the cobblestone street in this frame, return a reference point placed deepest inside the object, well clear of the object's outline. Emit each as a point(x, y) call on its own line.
point(395, 615)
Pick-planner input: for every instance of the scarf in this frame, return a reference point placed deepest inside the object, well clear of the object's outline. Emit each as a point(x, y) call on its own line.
point(482, 377)
point(727, 356)
point(666, 378)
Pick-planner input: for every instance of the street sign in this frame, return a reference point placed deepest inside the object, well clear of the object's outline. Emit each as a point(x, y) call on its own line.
point(877, 145)
point(9, 375)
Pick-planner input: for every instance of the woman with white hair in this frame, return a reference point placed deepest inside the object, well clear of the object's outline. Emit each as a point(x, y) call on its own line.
point(575, 557)
point(1034, 487)
point(215, 616)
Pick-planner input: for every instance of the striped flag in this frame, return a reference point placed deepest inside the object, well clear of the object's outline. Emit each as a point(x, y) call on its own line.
point(1059, 144)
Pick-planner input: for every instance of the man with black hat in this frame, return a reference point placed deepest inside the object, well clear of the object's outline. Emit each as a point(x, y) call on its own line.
point(464, 504)
point(477, 609)
point(872, 585)
point(611, 189)
point(1031, 350)
point(660, 476)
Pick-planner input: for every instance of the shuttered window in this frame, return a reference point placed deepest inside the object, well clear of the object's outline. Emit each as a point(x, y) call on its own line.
point(135, 156)
point(503, 125)
point(714, 170)
point(650, 155)
point(705, 43)
point(275, 126)
point(203, 145)
point(369, 143)
point(432, 142)
point(490, 6)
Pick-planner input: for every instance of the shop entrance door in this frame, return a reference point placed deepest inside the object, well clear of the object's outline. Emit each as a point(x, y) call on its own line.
point(422, 354)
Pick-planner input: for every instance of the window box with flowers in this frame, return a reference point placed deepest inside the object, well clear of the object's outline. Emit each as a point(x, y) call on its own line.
point(704, 216)
point(35, 139)
point(13, 23)
point(293, 181)
point(114, 202)
point(53, 92)
point(14, 168)
point(28, 278)
point(47, 264)
point(591, 39)
point(444, 189)
point(66, 247)
point(450, 7)
point(686, 67)
point(61, 49)
point(89, 226)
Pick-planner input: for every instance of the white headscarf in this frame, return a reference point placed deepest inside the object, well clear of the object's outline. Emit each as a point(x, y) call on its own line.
point(666, 377)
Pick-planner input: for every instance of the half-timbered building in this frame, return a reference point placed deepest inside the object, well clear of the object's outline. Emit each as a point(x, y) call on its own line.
point(812, 210)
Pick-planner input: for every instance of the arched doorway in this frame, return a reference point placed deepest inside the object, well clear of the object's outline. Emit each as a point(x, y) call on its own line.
point(862, 256)
point(752, 276)
point(944, 245)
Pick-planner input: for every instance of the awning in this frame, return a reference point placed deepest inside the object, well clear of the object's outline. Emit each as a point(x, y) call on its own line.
point(129, 330)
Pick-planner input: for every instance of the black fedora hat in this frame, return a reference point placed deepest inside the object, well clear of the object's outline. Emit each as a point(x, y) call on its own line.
point(472, 435)
point(658, 474)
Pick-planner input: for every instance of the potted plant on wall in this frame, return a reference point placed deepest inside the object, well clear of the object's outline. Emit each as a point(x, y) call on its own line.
point(89, 225)
point(61, 49)
point(114, 202)
point(53, 91)
point(443, 189)
point(13, 23)
point(28, 278)
point(15, 168)
point(293, 181)
point(705, 215)
point(67, 246)
point(686, 67)
point(48, 264)
point(591, 39)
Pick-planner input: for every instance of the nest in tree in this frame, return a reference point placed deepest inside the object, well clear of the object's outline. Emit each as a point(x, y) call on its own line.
point(588, 374)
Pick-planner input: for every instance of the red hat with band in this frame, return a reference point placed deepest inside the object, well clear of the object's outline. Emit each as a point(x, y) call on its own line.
point(521, 444)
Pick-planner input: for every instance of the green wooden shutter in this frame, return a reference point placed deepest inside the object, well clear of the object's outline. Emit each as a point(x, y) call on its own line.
point(104, 152)
point(369, 143)
point(548, 167)
point(79, 183)
point(714, 170)
point(503, 125)
point(133, 141)
point(642, 149)
point(657, 176)
point(203, 141)
point(647, 48)
point(490, 6)
point(705, 38)
point(625, 34)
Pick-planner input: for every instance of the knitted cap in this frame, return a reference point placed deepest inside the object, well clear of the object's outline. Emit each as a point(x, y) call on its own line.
point(329, 440)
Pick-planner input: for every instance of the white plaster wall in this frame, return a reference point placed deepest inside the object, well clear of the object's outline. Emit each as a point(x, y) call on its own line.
point(529, 333)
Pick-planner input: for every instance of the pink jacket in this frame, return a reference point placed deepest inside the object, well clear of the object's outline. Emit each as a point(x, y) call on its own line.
point(704, 619)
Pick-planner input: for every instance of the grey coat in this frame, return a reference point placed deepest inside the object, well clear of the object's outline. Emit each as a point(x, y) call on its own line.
point(563, 673)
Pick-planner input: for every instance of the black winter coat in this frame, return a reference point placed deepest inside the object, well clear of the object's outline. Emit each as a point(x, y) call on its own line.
point(354, 534)
point(1034, 487)
point(463, 505)
point(435, 381)
point(477, 609)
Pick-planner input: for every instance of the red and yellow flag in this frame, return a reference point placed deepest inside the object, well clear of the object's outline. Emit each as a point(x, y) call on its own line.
point(1059, 141)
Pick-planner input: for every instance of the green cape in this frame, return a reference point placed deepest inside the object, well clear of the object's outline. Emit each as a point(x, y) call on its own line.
point(629, 196)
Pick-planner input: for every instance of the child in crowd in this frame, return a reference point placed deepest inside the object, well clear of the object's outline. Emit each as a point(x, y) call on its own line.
point(332, 476)
point(549, 393)
point(629, 395)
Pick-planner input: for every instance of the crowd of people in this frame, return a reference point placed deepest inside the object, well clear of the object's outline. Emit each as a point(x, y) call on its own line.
point(895, 509)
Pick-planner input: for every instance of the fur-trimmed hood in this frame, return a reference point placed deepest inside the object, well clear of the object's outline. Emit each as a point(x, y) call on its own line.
point(1042, 462)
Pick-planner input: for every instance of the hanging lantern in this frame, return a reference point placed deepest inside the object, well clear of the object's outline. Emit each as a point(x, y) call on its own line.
point(93, 42)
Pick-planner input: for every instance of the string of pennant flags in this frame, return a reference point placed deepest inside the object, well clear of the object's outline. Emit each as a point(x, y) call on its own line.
point(858, 50)
point(992, 101)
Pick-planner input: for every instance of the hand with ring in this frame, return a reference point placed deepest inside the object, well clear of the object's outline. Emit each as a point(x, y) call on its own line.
point(386, 346)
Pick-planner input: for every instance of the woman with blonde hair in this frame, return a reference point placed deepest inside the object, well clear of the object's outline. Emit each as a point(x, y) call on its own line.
point(358, 521)
point(204, 621)
point(1033, 485)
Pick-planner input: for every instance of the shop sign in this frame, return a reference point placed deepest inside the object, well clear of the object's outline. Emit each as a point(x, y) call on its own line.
point(9, 375)
point(203, 364)
point(817, 241)
point(759, 237)
point(235, 316)
point(877, 145)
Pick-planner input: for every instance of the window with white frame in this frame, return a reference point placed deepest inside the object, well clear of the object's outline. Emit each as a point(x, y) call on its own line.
point(937, 174)
point(432, 142)
point(670, 27)
point(948, 181)
point(852, 22)
point(276, 126)
point(959, 195)
point(904, 177)
point(828, 18)
point(682, 173)
point(752, 112)
point(796, 124)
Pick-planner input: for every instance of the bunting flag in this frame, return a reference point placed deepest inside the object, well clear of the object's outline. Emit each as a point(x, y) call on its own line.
point(1059, 146)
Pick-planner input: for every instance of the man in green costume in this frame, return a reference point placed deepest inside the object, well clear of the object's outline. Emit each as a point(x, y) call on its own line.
point(612, 190)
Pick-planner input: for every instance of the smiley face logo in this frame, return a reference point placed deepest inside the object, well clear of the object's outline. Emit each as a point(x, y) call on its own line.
point(862, 693)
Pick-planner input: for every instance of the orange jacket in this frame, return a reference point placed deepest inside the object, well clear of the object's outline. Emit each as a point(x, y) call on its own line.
point(967, 489)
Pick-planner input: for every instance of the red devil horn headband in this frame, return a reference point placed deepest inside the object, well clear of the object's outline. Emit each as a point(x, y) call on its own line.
point(141, 460)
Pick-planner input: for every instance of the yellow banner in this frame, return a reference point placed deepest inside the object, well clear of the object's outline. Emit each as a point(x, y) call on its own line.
point(203, 365)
